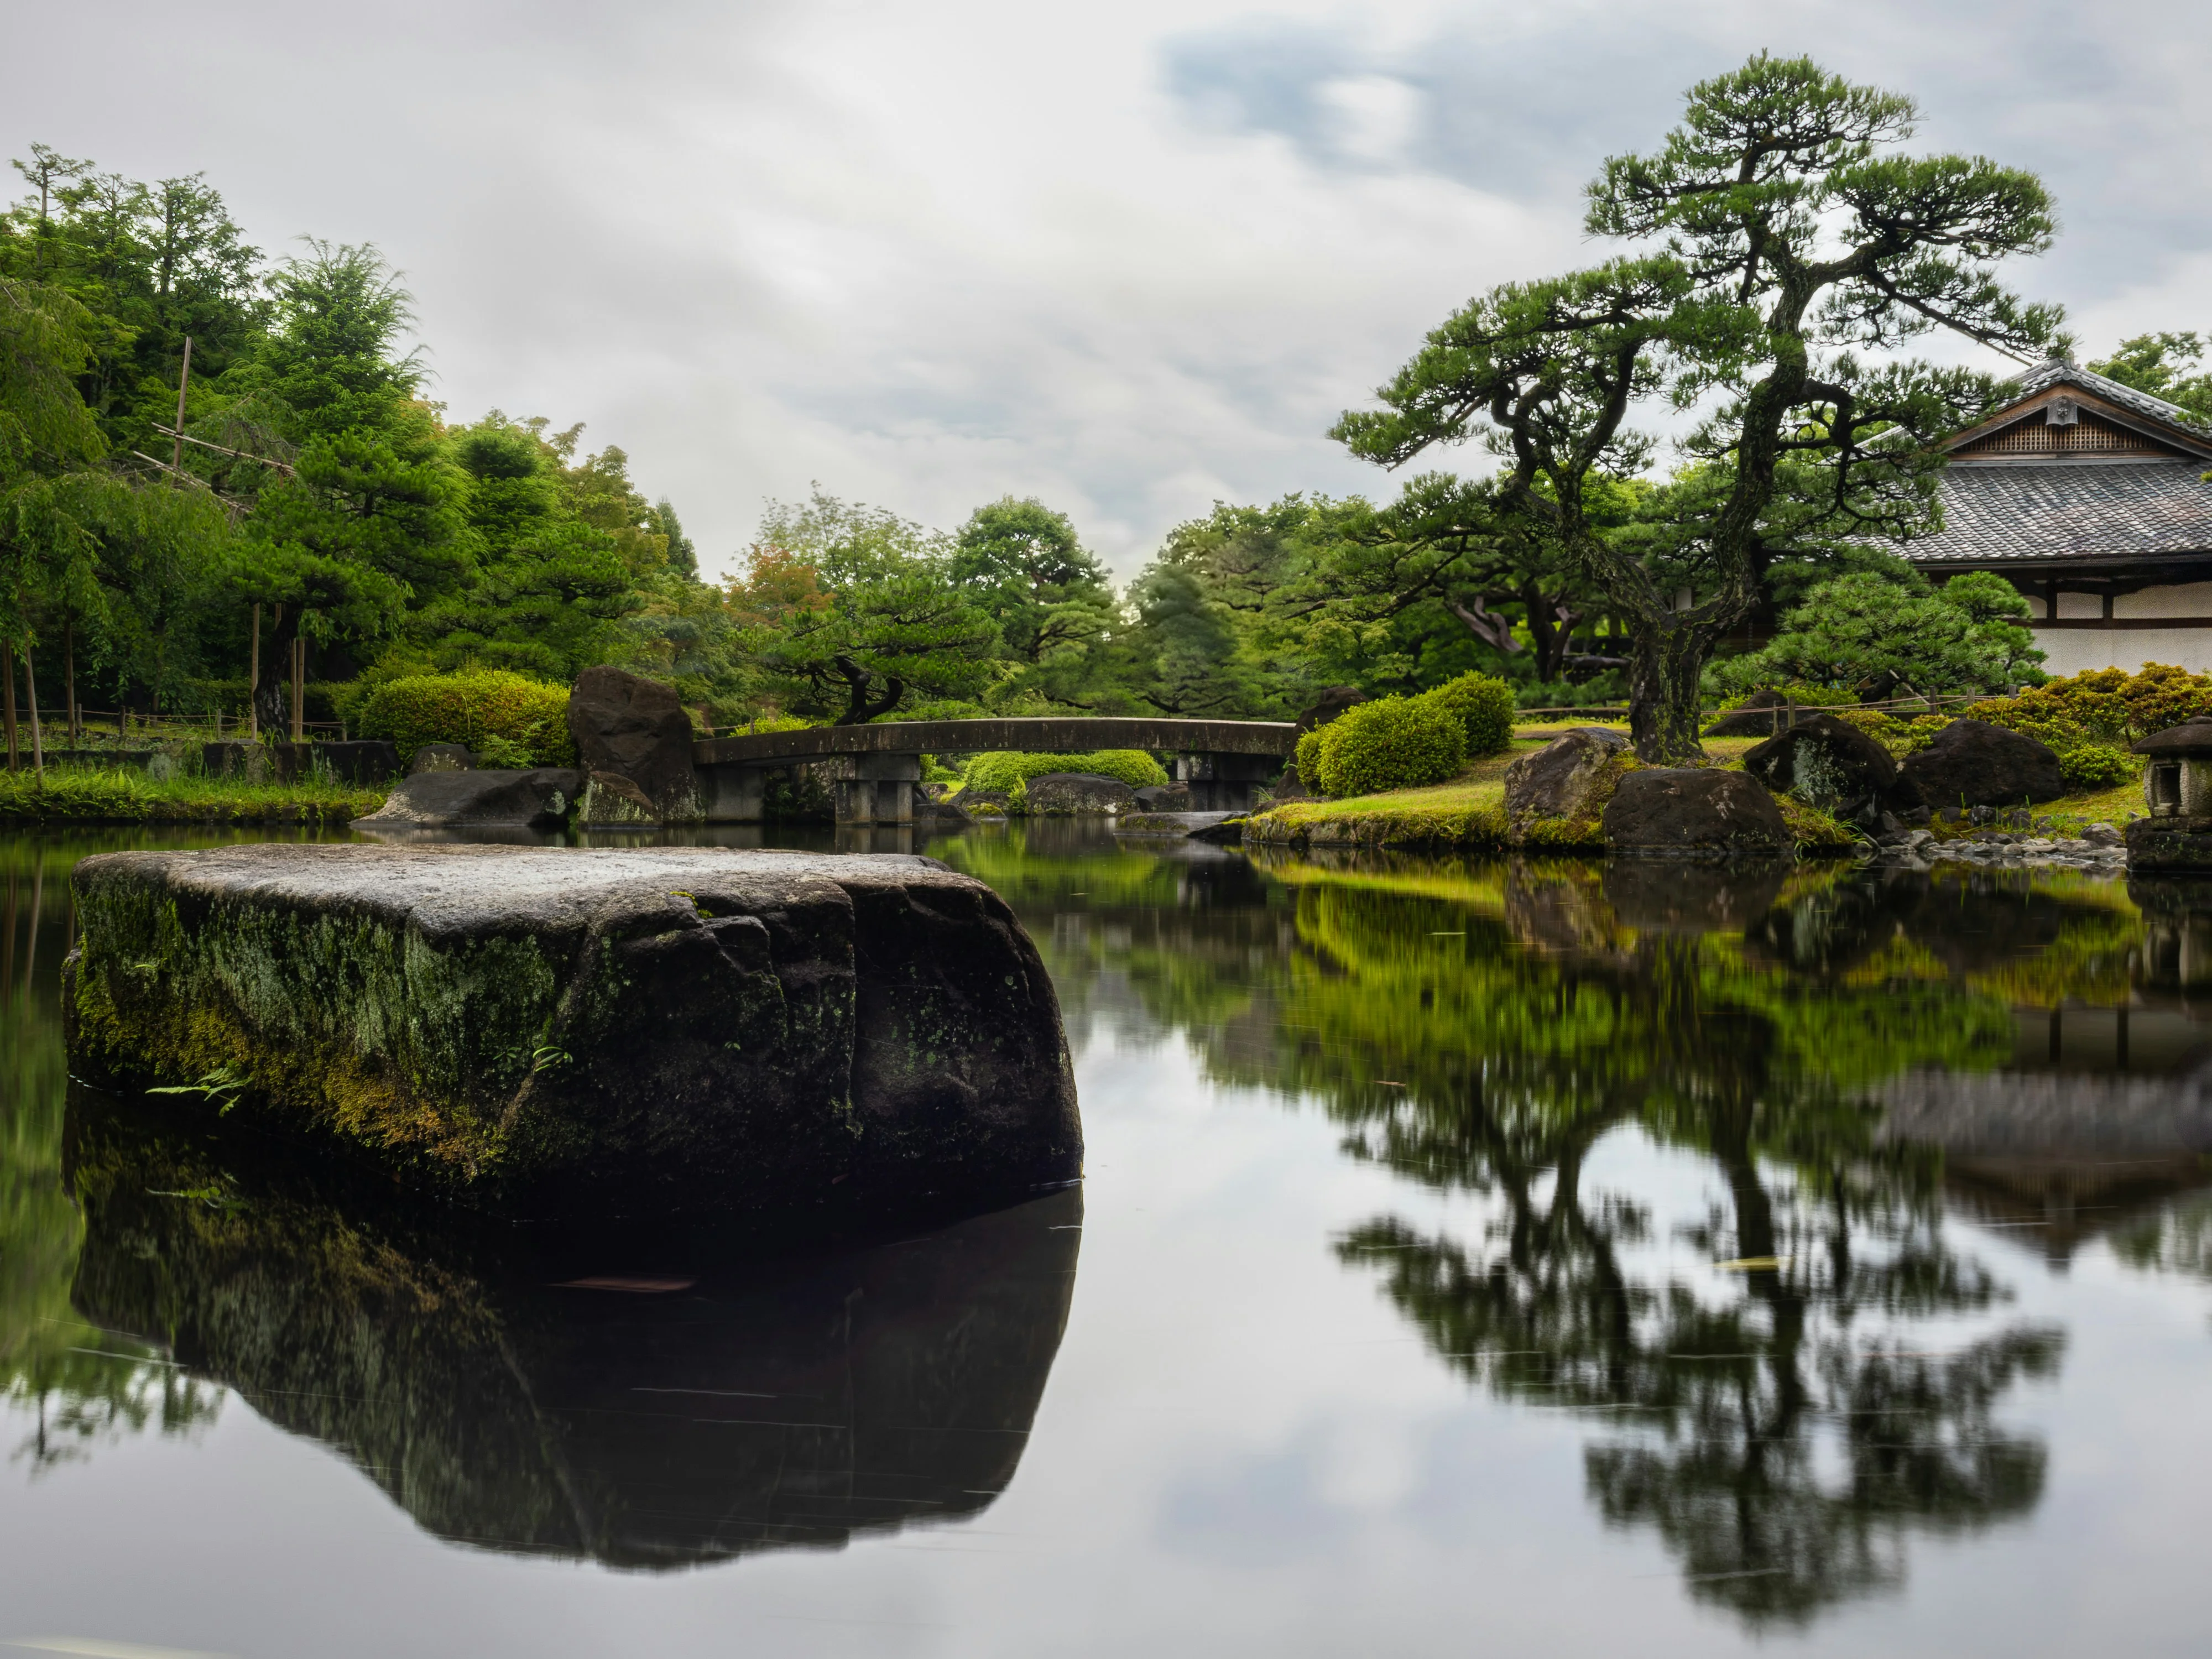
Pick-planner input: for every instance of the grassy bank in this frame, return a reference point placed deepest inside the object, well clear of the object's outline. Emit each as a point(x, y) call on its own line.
point(92, 795)
point(1468, 813)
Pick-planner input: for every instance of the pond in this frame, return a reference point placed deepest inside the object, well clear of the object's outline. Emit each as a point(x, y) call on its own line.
point(1498, 1256)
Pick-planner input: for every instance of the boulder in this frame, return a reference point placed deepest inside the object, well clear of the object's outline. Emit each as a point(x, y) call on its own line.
point(941, 817)
point(441, 757)
point(1164, 798)
point(983, 803)
point(1761, 715)
point(363, 760)
point(612, 798)
point(1693, 811)
point(478, 799)
point(549, 1031)
point(247, 762)
point(1973, 763)
point(1828, 763)
point(636, 729)
point(1556, 781)
point(1053, 794)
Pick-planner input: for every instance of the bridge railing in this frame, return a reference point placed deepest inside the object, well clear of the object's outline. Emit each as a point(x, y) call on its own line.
point(1052, 735)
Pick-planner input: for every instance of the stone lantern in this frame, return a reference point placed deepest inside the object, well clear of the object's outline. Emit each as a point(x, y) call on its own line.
point(2177, 793)
point(2178, 770)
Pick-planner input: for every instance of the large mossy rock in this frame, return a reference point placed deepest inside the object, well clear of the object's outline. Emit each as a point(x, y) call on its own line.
point(555, 1030)
point(637, 729)
point(1560, 780)
point(571, 1395)
point(478, 799)
point(1828, 763)
point(1055, 794)
point(1693, 811)
point(1973, 763)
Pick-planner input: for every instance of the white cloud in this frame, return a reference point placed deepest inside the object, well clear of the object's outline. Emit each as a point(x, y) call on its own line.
point(1128, 260)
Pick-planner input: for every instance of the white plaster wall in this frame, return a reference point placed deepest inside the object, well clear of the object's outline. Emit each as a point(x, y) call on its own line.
point(2035, 607)
point(2088, 606)
point(2182, 599)
point(2071, 650)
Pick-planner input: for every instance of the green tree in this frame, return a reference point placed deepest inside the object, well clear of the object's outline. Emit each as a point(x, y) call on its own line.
point(1877, 636)
point(2160, 364)
point(850, 610)
point(1786, 231)
point(371, 520)
point(1057, 614)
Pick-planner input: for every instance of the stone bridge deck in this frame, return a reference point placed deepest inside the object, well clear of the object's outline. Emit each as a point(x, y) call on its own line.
point(876, 768)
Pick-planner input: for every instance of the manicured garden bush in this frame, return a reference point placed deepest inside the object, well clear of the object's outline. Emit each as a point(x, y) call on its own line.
point(1483, 707)
point(2097, 766)
point(1003, 770)
point(1392, 743)
point(1309, 759)
point(2102, 706)
point(529, 716)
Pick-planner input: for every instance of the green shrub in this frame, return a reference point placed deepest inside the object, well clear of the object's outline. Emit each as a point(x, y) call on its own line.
point(2102, 706)
point(2097, 766)
point(1002, 770)
point(1391, 743)
point(1309, 759)
point(1482, 705)
point(470, 708)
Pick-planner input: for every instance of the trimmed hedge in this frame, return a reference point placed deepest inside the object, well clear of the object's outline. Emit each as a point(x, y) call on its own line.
point(1391, 743)
point(1483, 705)
point(529, 716)
point(1006, 769)
point(2097, 766)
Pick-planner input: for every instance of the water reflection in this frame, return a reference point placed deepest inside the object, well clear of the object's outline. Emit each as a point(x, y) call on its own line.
point(568, 1404)
point(1791, 1384)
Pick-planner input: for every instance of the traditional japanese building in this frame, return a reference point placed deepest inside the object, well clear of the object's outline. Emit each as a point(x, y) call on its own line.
point(2090, 498)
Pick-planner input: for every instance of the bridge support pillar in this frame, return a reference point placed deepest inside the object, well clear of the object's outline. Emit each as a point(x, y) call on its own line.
point(733, 794)
point(1226, 783)
point(880, 789)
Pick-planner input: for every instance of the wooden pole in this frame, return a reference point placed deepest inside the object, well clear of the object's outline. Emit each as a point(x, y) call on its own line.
point(254, 679)
point(8, 671)
point(298, 684)
point(69, 679)
point(31, 691)
point(184, 380)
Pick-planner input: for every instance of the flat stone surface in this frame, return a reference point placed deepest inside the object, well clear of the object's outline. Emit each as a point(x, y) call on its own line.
point(481, 798)
point(1184, 824)
point(550, 1031)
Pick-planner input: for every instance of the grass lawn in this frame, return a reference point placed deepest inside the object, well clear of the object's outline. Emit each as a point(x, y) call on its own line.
point(121, 795)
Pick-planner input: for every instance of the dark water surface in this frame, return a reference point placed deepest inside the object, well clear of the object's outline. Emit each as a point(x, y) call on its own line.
point(1473, 1258)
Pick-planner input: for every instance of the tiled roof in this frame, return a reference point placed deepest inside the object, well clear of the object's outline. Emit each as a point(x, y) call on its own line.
point(2056, 371)
point(2113, 510)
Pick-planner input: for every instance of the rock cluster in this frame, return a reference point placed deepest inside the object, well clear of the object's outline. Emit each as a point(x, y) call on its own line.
point(2098, 850)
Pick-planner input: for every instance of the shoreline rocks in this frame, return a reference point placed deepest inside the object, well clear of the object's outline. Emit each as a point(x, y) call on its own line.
point(478, 799)
point(1690, 811)
point(544, 1031)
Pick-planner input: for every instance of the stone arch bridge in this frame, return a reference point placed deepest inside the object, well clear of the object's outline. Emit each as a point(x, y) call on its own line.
point(875, 770)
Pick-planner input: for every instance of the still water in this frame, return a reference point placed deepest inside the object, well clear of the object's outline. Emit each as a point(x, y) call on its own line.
point(1473, 1257)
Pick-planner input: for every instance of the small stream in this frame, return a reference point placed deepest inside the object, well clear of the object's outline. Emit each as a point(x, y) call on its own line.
point(1509, 1257)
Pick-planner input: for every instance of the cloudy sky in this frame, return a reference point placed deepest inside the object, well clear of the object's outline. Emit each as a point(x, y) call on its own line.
point(1129, 258)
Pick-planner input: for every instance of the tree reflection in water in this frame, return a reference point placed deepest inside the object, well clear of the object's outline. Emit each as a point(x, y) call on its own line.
point(1787, 1429)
